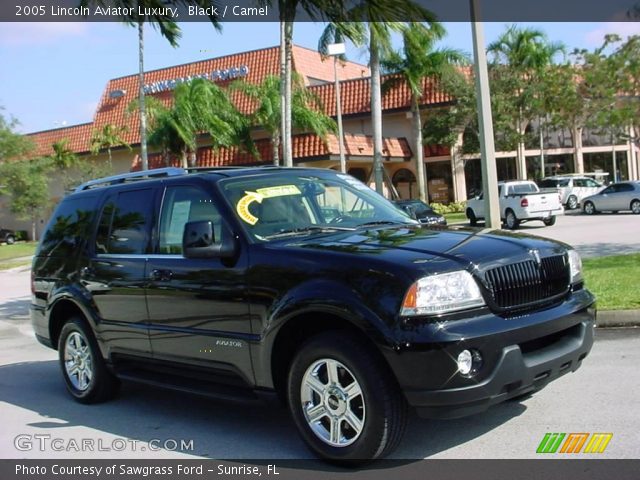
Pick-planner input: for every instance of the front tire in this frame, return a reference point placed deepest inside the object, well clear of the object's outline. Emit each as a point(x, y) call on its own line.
point(511, 221)
point(589, 208)
point(10, 240)
point(635, 207)
point(572, 202)
point(346, 405)
point(83, 368)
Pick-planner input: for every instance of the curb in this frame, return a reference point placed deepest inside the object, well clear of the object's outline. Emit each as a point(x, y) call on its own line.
point(618, 318)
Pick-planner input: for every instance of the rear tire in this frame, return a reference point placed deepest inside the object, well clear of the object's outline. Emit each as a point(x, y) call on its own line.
point(549, 221)
point(510, 220)
point(345, 403)
point(572, 202)
point(10, 240)
point(473, 220)
point(589, 208)
point(635, 207)
point(84, 370)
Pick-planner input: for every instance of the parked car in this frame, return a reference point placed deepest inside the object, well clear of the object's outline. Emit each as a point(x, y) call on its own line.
point(7, 236)
point(232, 283)
point(572, 188)
point(520, 201)
point(616, 197)
point(421, 212)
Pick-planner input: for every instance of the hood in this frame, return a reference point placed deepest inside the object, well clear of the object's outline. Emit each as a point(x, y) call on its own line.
point(451, 248)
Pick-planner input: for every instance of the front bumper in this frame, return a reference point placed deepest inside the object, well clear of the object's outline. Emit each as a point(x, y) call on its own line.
point(516, 374)
point(521, 355)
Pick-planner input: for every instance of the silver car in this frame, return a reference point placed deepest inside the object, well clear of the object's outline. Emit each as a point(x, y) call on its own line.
point(614, 198)
point(572, 188)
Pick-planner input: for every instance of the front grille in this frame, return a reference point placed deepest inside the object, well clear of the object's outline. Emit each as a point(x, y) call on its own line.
point(524, 283)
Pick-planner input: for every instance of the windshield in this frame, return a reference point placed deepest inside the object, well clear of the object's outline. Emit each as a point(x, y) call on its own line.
point(286, 204)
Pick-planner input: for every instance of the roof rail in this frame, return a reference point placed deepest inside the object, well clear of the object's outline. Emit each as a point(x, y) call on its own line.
point(124, 177)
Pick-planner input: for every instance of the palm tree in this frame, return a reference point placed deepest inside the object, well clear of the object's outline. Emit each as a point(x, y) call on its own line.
point(169, 29)
point(63, 157)
point(306, 111)
point(288, 9)
point(373, 22)
point(108, 137)
point(526, 52)
point(419, 60)
point(198, 106)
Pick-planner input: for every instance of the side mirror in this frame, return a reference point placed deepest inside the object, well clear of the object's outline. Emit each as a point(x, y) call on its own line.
point(198, 241)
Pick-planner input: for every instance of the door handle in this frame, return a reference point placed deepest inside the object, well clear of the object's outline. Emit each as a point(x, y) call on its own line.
point(158, 275)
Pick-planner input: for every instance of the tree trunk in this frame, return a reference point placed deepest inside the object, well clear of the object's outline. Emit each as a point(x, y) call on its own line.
point(578, 159)
point(288, 151)
point(183, 159)
point(376, 110)
point(110, 160)
point(283, 81)
point(418, 147)
point(275, 145)
point(521, 161)
point(613, 157)
point(143, 116)
point(33, 229)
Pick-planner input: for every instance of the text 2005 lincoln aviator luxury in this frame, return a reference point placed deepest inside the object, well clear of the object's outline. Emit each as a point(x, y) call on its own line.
point(306, 285)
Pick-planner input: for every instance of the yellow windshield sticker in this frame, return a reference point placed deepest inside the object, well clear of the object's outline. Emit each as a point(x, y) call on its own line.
point(242, 207)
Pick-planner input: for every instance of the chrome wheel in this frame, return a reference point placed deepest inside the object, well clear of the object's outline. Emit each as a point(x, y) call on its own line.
point(78, 363)
point(589, 208)
point(332, 402)
point(635, 207)
point(572, 203)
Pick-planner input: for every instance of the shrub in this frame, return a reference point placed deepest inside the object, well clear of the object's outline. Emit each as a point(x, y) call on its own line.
point(453, 207)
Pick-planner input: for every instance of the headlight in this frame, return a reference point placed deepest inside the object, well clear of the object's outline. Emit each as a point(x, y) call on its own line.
point(442, 293)
point(575, 265)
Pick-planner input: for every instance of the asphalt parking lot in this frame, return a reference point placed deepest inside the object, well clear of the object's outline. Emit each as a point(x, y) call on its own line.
point(592, 236)
point(600, 397)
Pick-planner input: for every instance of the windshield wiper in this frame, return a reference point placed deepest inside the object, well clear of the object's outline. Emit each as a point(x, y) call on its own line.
point(382, 222)
point(306, 230)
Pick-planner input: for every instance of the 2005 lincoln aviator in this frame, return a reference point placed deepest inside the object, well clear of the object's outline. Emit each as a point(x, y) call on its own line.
point(307, 286)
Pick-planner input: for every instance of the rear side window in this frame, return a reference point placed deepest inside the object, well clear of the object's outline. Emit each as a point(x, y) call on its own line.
point(68, 228)
point(125, 223)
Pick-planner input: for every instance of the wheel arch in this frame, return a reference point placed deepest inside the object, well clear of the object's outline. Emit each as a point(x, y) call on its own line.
point(302, 326)
point(60, 311)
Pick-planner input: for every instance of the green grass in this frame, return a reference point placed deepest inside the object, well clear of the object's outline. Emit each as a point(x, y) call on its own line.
point(614, 281)
point(17, 250)
point(455, 217)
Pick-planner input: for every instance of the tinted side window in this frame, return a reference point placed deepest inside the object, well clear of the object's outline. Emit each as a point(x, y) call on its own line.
point(68, 228)
point(184, 204)
point(625, 187)
point(125, 223)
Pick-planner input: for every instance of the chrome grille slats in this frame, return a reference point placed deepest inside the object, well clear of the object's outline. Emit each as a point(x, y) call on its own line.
point(528, 282)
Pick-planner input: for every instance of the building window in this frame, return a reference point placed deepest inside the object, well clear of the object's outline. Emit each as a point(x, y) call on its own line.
point(358, 173)
point(405, 182)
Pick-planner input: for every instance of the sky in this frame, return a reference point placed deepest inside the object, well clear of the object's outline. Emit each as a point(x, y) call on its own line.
point(53, 74)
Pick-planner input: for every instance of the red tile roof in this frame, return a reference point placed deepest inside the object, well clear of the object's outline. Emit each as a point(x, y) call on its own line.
point(355, 90)
point(305, 147)
point(78, 136)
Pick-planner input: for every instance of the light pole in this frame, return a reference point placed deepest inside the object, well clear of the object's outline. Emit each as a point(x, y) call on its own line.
point(485, 121)
point(335, 50)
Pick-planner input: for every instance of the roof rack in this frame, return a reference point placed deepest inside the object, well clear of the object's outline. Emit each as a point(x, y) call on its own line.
point(124, 177)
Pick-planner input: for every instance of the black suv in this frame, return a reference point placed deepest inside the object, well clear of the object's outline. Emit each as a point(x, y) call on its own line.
point(7, 236)
point(306, 285)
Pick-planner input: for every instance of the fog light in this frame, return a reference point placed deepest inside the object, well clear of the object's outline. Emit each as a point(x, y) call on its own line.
point(469, 362)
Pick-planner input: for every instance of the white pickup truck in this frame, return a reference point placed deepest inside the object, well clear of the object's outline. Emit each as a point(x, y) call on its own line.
point(520, 201)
